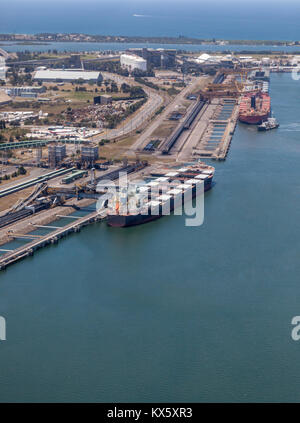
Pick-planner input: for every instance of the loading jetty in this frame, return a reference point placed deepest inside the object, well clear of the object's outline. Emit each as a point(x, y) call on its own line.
point(40, 241)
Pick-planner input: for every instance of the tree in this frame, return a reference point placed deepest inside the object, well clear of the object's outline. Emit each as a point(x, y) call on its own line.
point(136, 91)
point(22, 170)
point(15, 123)
point(125, 88)
point(114, 87)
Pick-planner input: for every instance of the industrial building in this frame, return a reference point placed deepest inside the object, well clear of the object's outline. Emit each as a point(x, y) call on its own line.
point(25, 91)
point(131, 62)
point(76, 174)
point(67, 75)
point(208, 60)
point(4, 98)
point(159, 58)
point(56, 154)
point(247, 60)
point(103, 99)
point(2, 68)
point(260, 75)
point(75, 61)
point(89, 153)
point(167, 58)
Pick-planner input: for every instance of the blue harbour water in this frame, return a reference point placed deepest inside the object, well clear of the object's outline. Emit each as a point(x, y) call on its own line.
point(165, 312)
point(13, 46)
point(206, 19)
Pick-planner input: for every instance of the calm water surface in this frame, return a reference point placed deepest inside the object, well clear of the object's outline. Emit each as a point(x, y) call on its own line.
point(164, 312)
point(230, 19)
point(13, 46)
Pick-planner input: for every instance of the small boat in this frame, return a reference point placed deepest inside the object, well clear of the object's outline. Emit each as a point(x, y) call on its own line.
point(270, 123)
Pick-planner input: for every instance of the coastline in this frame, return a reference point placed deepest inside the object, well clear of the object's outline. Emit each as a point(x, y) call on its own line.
point(44, 39)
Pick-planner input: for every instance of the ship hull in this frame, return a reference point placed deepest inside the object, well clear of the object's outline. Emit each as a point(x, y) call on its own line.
point(118, 221)
point(123, 221)
point(253, 120)
point(255, 108)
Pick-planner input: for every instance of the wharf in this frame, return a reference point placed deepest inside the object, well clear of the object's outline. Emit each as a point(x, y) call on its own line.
point(224, 147)
point(215, 141)
point(38, 242)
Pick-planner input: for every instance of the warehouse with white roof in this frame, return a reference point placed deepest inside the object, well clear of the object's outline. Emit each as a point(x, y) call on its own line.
point(66, 75)
point(131, 62)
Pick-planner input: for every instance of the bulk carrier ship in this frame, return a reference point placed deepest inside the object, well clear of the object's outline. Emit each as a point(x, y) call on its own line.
point(168, 186)
point(255, 107)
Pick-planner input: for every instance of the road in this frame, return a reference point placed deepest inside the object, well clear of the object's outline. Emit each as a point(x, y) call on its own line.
point(4, 53)
point(34, 173)
point(53, 60)
point(145, 136)
point(153, 103)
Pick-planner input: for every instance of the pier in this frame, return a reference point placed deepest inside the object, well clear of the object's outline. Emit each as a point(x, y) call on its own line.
point(212, 133)
point(40, 241)
point(215, 141)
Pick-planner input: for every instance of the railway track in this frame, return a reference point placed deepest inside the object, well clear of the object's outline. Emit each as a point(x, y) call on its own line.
point(169, 143)
point(21, 214)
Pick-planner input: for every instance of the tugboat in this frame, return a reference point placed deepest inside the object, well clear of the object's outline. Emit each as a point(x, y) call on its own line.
point(270, 123)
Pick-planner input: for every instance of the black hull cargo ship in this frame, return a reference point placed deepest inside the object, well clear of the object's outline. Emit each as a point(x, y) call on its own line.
point(181, 182)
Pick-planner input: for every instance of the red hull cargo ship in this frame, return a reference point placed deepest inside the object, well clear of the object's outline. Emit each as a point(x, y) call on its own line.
point(255, 108)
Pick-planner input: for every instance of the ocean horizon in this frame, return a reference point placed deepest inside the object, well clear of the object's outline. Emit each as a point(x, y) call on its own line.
point(233, 20)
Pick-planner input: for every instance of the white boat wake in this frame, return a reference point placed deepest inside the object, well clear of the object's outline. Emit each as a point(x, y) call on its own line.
point(290, 127)
point(141, 16)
